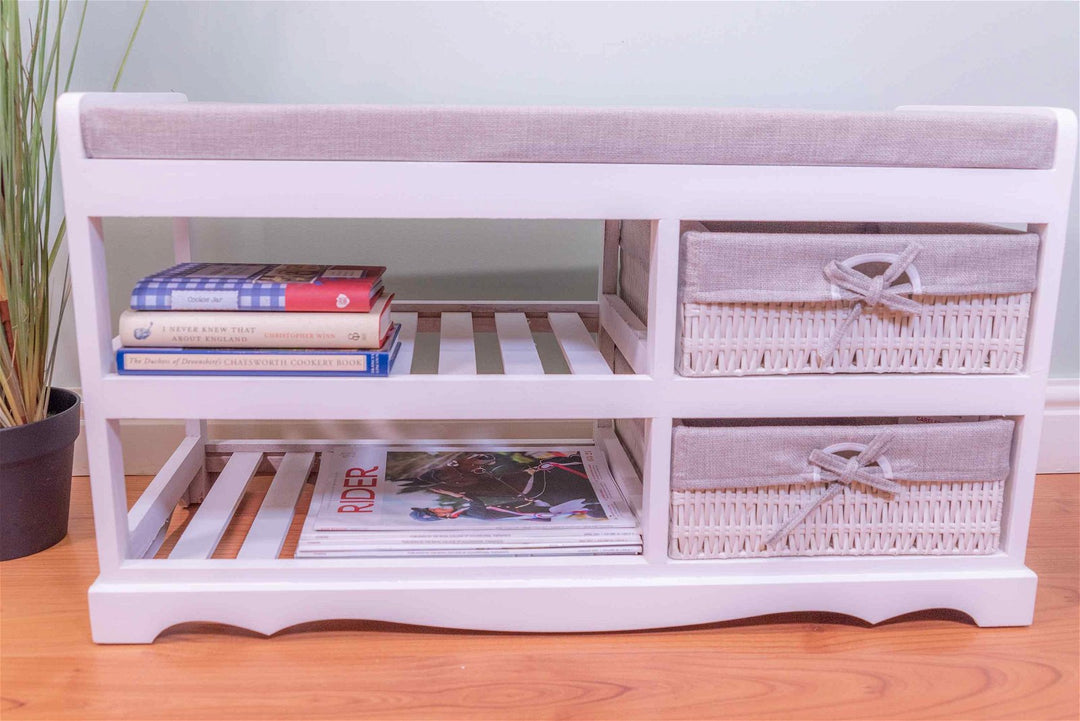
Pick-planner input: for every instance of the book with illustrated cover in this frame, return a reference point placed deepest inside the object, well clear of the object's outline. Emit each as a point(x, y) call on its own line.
point(260, 361)
point(265, 287)
point(246, 329)
point(526, 489)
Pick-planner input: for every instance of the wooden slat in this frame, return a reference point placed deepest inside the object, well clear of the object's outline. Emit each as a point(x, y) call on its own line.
point(517, 346)
point(483, 312)
point(209, 523)
point(267, 532)
point(150, 515)
point(407, 337)
point(626, 330)
point(457, 352)
point(577, 345)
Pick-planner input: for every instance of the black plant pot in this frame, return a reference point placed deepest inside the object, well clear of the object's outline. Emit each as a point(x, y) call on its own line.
point(35, 478)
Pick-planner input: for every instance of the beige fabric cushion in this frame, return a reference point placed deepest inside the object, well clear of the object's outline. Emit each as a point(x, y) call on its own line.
point(678, 136)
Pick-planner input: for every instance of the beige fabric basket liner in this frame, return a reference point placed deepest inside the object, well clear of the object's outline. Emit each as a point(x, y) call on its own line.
point(721, 455)
point(784, 262)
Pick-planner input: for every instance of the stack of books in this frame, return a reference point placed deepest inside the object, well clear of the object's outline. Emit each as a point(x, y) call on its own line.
point(372, 501)
point(259, 319)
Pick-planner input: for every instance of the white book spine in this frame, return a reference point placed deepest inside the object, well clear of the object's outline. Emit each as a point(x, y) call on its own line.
point(225, 329)
point(552, 536)
point(465, 543)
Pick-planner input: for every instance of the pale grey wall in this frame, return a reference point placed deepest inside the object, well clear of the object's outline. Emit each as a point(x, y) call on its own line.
point(859, 56)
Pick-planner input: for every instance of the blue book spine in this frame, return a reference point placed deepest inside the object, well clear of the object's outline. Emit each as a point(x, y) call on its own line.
point(258, 361)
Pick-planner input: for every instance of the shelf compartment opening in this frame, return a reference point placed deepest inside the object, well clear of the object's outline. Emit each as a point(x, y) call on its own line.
point(519, 347)
point(260, 493)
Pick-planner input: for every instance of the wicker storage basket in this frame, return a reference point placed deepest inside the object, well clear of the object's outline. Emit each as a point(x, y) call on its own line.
point(854, 298)
point(742, 491)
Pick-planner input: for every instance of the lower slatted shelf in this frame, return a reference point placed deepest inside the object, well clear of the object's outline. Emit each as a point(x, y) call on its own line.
point(260, 496)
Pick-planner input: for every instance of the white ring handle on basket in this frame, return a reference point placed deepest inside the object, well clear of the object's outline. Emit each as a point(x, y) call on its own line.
point(882, 462)
point(886, 258)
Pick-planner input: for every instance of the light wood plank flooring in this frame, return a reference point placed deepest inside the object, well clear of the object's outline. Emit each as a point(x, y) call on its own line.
point(804, 666)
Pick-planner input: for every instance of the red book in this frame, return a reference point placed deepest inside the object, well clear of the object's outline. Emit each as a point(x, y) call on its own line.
point(260, 287)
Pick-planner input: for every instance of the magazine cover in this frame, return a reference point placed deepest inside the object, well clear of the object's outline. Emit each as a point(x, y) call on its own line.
point(372, 488)
point(260, 286)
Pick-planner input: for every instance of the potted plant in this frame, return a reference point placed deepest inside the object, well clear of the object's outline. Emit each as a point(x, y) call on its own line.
point(38, 423)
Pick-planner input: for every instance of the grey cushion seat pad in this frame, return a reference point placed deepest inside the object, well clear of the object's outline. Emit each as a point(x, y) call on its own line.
point(678, 136)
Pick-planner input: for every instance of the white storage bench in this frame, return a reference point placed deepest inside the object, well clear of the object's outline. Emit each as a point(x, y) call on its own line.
point(900, 189)
point(865, 298)
point(743, 490)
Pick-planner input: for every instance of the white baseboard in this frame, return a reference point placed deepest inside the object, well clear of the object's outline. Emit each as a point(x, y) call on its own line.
point(1059, 451)
point(148, 443)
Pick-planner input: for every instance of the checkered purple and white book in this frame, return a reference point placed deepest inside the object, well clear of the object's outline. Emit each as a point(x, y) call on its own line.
point(260, 287)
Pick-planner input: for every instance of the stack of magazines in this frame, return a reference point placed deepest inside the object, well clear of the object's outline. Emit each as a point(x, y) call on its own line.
point(373, 501)
point(259, 319)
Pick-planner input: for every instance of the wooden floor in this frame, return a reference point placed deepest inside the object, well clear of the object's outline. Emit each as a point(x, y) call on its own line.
point(934, 665)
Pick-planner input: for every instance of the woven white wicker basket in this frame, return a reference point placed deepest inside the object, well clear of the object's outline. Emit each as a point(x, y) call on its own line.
point(759, 326)
point(923, 517)
point(926, 519)
point(950, 334)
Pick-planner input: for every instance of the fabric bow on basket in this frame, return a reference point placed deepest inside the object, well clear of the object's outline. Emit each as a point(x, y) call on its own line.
point(843, 472)
point(871, 291)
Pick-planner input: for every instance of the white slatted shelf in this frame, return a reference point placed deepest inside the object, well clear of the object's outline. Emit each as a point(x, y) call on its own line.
point(208, 524)
point(149, 518)
point(265, 538)
point(267, 532)
point(407, 338)
point(457, 350)
point(577, 345)
point(516, 345)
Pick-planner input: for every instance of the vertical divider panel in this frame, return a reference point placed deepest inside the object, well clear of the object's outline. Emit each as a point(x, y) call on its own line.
point(182, 253)
point(516, 345)
point(93, 327)
point(267, 532)
point(609, 282)
point(407, 338)
point(208, 524)
point(660, 342)
point(663, 297)
point(656, 494)
point(457, 349)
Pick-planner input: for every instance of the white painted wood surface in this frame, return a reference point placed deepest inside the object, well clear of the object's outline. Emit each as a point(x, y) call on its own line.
point(150, 515)
point(206, 527)
point(578, 348)
point(134, 598)
point(407, 337)
point(516, 345)
point(457, 349)
point(626, 330)
point(267, 533)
